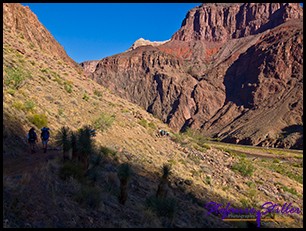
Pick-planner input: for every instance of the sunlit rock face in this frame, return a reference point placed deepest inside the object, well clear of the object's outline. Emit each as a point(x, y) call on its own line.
point(232, 71)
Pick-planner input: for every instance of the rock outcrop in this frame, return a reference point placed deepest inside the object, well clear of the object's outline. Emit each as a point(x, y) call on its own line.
point(219, 22)
point(89, 66)
point(233, 71)
point(144, 42)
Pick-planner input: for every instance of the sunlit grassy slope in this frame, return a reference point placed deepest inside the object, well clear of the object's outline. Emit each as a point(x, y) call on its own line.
point(41, 89)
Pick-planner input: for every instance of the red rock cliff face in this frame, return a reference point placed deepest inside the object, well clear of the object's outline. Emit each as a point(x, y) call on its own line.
point(219, 22)
point(233, 71)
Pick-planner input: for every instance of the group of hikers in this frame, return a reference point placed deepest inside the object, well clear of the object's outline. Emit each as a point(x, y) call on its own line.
point(32, 138)
point(45, 134)
point(162, 132)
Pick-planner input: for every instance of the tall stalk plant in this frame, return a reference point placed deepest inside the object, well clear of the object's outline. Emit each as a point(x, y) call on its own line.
point(124, 175)
point(62, 139)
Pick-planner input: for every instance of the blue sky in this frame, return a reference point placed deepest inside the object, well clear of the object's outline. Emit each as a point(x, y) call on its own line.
point(92, 31)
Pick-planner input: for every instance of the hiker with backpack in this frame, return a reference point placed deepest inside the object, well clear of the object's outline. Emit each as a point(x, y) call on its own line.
point(32, 139)
point(45, 134)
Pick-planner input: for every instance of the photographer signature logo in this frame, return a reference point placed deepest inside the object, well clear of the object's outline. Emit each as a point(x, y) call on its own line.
point(266, 208)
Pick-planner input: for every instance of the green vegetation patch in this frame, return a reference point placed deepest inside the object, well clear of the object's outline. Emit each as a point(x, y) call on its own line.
point(103, 122)
point(196, 136)
point(179, 138)
point(290, 190)
point(107, 151)
point(208, 180)
point(14, 78)
point(68, 87)
point(29, 105)
point(57, 78)
point(98, 93)
point(18, 105)
point(60, 112)
point(143, 122)
point(285, 170)
point(39, 120)
point(85, 96)
point(244, 167)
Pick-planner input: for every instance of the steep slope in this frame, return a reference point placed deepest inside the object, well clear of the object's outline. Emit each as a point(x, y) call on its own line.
point(225, 60)
point(20, 21)
point(40, 87)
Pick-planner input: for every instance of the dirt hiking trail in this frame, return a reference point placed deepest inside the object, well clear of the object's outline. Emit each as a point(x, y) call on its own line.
point(27, 162)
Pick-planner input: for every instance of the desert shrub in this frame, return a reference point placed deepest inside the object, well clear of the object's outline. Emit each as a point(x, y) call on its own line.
point(98, 93)
point(276, 161)
point(196, 136)
point(244, 167)
point(165, 207)
point(29, 105)
point(171, 162)
point(42, 77)
point(250, 184)
point(152, 125)
point(18, 105)
point(85, 97)
point(11, 91)
point(62, 138)
point(124, 171)
point(107, 151)
point(298, 165)
point(208, 180)
point(60, 111)
point(68, 87)
point(111, 104)
point(15, 77)
point(125, 110)
point(143, 122)
point(286, 171)
point(57, 78)
point(39, 120)
point(203, 148)
point(89, 196)
point(290, 190)
point(85, 145)
point(245, 203)
point(124, 174)
point(44, 70)
point(162, 190)
point(71, 169)
point(104, 122)
point(179, 138)
point(31, 45)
